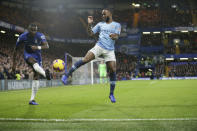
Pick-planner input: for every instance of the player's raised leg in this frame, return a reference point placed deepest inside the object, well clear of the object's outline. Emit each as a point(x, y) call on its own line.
point(112, 75)
point(36, 66)
point(88, 57)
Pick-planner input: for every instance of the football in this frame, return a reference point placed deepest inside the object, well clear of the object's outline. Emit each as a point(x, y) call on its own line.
point(58, 65)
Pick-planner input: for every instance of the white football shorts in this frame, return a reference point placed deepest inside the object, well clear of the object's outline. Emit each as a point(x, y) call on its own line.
point(108, 55)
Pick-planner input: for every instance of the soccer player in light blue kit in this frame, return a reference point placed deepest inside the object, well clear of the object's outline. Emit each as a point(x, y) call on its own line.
point(33, 42)
point(109, 31)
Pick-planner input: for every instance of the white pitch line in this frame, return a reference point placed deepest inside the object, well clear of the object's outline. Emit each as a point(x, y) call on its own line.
point(83, 120)
point(153, 82)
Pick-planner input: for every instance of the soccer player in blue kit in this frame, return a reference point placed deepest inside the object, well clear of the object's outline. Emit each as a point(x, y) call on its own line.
point(34, 42)
point(109, 31)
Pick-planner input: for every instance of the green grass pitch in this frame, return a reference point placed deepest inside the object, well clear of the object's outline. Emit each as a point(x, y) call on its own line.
point(141, 100)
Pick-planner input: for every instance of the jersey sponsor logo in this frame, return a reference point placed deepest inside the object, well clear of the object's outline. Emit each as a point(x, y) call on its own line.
point(107, 31)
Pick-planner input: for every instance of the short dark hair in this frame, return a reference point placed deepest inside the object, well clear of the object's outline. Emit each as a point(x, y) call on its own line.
point(32, 25)
point(109, 9)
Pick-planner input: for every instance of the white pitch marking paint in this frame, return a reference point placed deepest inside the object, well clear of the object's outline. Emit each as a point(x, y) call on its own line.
point(83, 120)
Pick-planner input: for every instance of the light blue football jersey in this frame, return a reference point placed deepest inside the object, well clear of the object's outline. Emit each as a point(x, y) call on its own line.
point(104, 31)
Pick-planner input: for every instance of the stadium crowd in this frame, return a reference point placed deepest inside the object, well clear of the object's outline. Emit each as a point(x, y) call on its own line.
point(180, 43)
point(182, 69)
point(128, 66)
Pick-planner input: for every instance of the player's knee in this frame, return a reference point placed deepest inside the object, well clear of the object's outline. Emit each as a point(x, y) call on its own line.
point(31, 61)
point(85, 60)
point(36, 76)
point(89, 56)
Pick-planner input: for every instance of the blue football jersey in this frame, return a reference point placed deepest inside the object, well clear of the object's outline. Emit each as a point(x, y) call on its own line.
point(29, 41)
point(104, 31)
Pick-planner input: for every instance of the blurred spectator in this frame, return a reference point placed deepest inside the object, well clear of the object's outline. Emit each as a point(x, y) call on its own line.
point(1, 73)
point(177, 69)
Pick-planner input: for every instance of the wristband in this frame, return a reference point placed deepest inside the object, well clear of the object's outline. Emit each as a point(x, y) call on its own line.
point(39, 47)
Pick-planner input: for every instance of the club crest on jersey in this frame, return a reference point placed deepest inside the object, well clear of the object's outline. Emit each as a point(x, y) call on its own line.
point(112, 26)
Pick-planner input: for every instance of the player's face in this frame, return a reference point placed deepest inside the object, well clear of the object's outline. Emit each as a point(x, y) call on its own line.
point(33, 30)
point(106, 15)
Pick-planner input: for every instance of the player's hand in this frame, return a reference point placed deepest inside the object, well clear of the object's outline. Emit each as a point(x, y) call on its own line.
point(34, 47)
point(90, 19)
point(113, 36)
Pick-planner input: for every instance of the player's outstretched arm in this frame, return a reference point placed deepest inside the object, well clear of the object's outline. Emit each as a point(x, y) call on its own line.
point(89, 27)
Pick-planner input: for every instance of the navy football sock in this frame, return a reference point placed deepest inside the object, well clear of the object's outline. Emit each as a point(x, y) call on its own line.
point(112, 77)
point(74, 67)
